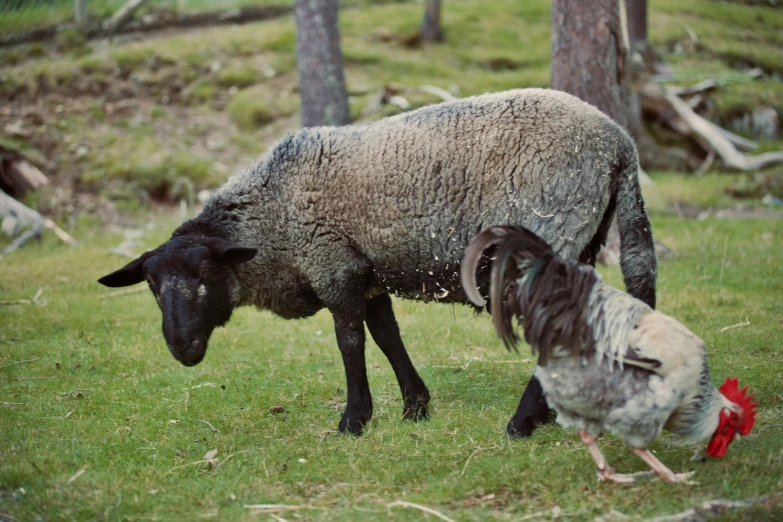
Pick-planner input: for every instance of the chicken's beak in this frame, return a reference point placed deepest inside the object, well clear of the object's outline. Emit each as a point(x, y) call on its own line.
point(737, 437)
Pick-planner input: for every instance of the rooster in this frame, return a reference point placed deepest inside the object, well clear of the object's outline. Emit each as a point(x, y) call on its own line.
point(607, 362)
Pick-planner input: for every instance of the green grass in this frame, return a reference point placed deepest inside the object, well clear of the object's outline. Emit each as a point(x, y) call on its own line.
point(101, 394)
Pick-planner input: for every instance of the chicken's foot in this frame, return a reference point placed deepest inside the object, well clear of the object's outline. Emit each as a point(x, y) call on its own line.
point(605, 471)
point(659, 468)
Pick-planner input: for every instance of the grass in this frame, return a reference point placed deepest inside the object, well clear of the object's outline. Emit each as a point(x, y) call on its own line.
point(100, 393)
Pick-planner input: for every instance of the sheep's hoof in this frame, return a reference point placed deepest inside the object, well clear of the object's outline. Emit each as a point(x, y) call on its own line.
point(352, 424)
point(522, 427)
point(417, 411)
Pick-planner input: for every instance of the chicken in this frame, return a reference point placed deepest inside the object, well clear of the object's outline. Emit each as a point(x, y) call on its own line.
point(607, 362)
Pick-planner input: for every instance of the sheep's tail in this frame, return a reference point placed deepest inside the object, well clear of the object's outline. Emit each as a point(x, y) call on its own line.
point(530, 283)
point(637, 248)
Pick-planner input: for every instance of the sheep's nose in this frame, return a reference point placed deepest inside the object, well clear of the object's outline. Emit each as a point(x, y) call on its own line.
point(190, 354)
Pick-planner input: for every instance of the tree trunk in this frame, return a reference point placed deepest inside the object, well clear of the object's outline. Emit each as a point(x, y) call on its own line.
point(430, 27)
point(637, 24)
point(320, 64)
point(589, 55)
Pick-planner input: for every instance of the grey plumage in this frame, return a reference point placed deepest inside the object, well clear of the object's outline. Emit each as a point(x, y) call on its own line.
point(340, 216)
point(607, 362)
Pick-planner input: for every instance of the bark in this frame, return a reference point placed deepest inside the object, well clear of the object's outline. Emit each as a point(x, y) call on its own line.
point(430, 27)
point(637, 23)
point(320, 64)
point(589, 55)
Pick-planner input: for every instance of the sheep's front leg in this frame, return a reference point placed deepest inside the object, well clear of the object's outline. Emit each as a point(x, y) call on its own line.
point(350, 340)
point(386, 334)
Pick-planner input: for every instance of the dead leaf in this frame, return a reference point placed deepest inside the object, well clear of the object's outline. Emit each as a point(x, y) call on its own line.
point(276, 409)
point(210, 454)
point(210, 458)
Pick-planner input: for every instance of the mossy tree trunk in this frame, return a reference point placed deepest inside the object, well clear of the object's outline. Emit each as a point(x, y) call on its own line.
point(320, 63)
point(430, 29)
point(589, 55)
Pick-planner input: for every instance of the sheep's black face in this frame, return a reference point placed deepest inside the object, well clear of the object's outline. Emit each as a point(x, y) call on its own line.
point(194, 285)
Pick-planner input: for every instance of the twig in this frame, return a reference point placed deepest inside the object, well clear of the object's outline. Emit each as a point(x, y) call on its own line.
point(275, 507)
point(63, 394)
point(706, 165)
point(210, 425)
point(476, 359)
point(738, 325)
point(77, 474)
point(124, 291)
point(691, 33)
point(19, 362)
point(431, 511)
point(227, 458)
point(279, 519)
point(713, 507)
point(17, 302)
point(465, 467)
point(113, 507)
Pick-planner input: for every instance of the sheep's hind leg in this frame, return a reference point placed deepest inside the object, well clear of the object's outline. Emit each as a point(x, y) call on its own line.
point(386, 334)
point(532, 411)
point(659, 468)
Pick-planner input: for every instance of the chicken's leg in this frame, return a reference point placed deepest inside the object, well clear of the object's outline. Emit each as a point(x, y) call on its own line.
point(604, 470)
point(658, 466)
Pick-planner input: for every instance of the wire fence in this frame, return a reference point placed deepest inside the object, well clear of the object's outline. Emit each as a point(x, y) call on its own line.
point(19, 17)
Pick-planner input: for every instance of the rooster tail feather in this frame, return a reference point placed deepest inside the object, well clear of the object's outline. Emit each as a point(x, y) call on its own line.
point(473, 255)
point(519, 259)
point(529, 282)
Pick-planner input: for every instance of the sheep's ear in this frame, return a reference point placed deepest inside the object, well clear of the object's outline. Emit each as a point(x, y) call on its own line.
point(128, 275)
point(229, 253)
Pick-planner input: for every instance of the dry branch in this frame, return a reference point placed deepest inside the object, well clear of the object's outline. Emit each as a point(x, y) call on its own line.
point(11, 207)
point(704, 132)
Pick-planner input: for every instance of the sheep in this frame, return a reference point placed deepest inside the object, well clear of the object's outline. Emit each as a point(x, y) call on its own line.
point(344, 217)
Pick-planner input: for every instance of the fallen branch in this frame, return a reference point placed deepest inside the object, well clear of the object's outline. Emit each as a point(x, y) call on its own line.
point(431, 511)
point(712, 508)
point(705, 134)
point(11, 207)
